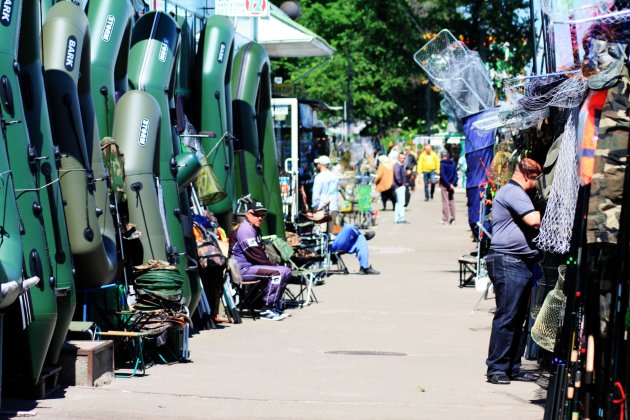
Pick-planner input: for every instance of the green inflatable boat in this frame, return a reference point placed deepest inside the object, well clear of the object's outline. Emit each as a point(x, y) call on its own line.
point(38, 122)
point(152, 57)
point(136, 128)
point(111, 23)
point(66, 52)
point(255, 148)
point(31, 324)
point(213, 103)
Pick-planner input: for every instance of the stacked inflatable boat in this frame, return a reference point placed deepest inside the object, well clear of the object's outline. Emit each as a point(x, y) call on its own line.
point(94, 178)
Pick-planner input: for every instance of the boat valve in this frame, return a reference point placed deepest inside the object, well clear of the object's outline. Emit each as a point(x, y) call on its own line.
point(136, 187)
point(88, 234)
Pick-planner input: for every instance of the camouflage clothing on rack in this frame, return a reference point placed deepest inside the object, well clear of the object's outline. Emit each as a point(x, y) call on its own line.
point(115, 163)
point(610, 164)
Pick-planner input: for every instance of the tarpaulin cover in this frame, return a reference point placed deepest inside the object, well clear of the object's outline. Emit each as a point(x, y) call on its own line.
point(479, 147)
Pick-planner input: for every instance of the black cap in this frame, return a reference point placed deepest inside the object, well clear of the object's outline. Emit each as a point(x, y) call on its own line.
point(256, 206)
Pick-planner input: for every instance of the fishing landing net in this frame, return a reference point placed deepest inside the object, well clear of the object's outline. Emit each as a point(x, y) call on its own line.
point(551, 314)
point(556, 226)
point(458, 72)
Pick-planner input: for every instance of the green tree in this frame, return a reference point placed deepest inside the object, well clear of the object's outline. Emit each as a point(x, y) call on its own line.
point(372, 68)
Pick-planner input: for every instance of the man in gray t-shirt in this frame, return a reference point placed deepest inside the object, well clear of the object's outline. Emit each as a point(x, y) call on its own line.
point(510, 233)
point(510, 262)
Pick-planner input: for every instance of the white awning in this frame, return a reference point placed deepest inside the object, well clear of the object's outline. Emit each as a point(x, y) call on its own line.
point(283, 37)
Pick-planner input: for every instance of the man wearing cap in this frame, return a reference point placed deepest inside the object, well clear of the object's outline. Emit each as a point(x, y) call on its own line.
point(247, 248)
point(510, 262)
point(325, 188)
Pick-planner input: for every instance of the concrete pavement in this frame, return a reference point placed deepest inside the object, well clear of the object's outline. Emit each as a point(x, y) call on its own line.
point(323, 362)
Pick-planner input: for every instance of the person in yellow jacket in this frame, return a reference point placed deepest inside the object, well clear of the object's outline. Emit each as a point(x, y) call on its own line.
point(428, 166)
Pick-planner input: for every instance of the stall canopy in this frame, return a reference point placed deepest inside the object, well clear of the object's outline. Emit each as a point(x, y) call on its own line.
point(283, 37)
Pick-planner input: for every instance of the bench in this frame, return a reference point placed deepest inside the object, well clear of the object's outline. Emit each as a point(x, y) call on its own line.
point(134, 343)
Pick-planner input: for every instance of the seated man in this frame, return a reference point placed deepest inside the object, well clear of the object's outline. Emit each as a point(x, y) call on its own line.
point(248, 250)
point(350, 240)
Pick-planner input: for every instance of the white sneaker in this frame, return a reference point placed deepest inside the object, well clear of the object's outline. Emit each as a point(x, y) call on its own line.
point(271, 315)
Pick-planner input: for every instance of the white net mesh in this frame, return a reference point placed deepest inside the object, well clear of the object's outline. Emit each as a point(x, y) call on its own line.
point(549, 318)
point(557, 224)
point(562, 90)
point(459, 72)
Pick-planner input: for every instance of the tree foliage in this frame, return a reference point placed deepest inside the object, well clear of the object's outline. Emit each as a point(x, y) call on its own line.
point(373, 69)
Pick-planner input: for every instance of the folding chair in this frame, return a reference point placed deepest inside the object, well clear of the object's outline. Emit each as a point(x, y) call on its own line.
point(303, 271)
point(249, 295)
point(334, 257)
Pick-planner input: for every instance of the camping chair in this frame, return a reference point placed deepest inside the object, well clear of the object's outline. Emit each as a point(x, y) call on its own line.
point(248, 292)
point(303, 271)
point(317, 244)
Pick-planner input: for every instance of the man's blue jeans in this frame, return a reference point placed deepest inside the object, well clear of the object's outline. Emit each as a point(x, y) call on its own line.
point(512, 281)
point(399, 207)
point(350, 240)
point(429, 181)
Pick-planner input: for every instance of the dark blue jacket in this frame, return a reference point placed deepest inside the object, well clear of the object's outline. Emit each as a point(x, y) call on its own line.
point(399, 175)
point(448, 173)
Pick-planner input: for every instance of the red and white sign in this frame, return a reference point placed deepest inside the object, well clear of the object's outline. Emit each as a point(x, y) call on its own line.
point(249, 8)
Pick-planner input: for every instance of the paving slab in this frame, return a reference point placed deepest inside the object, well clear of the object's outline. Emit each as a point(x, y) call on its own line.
point(401, 345)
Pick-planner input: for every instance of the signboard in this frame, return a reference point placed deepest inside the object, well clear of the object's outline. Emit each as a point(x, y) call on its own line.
point(287, 89)
point(247, 8)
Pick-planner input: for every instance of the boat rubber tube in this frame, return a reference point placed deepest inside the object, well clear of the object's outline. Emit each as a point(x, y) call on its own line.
point(216, 51)
point(188, 163)
point(183, 73)
point(136, 130)
point(111, 23)
point(66, 53)
point(154, 43)
point(255, 148)
point(11, 243)
point(30, 341)
point(47, 174)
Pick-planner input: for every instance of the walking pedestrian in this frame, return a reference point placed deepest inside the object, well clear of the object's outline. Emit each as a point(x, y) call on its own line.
point(411, 163)
point(384, 181)
point(428, 165)
point(448, 181)
point(510, 262)
point(400, 182)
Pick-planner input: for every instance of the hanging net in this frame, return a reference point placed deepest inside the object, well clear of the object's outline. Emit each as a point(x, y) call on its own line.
point(557, 224)
point(529, 99)
point(551, 314)
point(458, 72)
point(562, 90)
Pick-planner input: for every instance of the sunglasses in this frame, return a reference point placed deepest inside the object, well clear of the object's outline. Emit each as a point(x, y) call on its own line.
point(259, 215)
